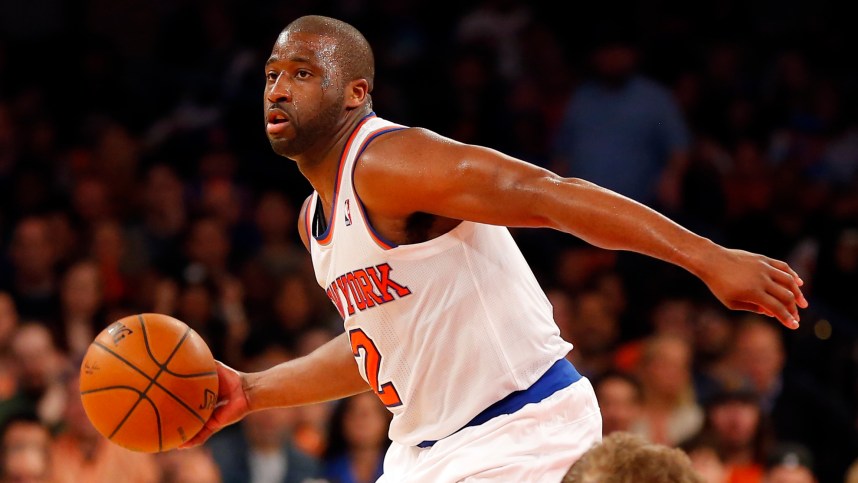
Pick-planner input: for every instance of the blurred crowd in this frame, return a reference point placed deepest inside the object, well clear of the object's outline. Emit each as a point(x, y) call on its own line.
point(135, 176)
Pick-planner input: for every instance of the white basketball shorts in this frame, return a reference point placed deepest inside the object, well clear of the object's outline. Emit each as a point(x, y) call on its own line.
point(535, 444)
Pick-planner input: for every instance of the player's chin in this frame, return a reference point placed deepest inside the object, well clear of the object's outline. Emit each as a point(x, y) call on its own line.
point(280, 146)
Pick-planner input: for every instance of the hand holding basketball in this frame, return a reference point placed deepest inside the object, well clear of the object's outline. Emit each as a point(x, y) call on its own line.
point(148, 382)
point(232, 405)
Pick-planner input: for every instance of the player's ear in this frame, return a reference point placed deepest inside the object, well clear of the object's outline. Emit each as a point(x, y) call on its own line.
point(356, 93)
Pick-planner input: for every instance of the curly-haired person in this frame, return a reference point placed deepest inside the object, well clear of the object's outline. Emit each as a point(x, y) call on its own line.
point(623, 457)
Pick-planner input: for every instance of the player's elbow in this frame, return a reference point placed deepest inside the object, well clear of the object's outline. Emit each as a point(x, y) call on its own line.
point(541, 200)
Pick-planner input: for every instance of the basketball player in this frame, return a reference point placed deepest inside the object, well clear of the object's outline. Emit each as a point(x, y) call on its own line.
point(447, 323)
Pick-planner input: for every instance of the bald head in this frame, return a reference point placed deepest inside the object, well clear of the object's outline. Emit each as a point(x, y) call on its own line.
point(349, 51)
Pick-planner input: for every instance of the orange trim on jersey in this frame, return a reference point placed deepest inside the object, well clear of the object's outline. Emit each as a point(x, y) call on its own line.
point(329, 232)
point(376, 237)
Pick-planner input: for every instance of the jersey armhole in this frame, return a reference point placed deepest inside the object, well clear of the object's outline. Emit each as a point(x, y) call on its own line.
point(380, 240)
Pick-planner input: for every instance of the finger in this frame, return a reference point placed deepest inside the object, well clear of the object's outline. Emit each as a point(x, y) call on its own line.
point(784, 267)
point(779, 310)
point(223, 388)
point(786, 280)
point(747, 306)
point(199, 438)
point(785, 297)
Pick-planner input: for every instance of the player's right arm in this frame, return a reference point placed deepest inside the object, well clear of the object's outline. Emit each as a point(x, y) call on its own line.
point(325, 374)
point(417, 171)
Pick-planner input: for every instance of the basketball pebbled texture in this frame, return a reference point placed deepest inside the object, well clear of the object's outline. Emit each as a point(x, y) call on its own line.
point(148, 382)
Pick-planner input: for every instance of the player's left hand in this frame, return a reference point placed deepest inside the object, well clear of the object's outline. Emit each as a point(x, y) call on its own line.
point(748, 281)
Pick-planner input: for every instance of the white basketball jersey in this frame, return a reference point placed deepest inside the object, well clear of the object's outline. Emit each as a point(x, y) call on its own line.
point(441, 329)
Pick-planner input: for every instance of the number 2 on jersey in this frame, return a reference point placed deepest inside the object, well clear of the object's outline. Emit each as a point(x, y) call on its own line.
point(372, 364)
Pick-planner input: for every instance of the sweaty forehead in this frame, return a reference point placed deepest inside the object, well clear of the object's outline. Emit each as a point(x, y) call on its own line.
point(291, 45)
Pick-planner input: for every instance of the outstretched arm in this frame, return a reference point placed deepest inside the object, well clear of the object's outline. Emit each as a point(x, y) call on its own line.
point(474, 183)
point(326, 374)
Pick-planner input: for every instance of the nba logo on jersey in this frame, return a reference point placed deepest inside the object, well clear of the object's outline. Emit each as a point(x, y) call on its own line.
point(348, 214)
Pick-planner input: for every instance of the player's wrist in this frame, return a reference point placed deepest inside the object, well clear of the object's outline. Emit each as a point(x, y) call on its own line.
point(250, 390)
point(700, 257)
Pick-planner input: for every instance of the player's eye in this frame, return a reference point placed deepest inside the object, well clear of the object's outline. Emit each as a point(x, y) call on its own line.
point(271, 76)
point(303, 74)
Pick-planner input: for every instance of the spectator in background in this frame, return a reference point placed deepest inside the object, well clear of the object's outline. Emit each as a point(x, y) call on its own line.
point(595, 332)
point(82, 308)
point(40, 367)
point(628, 458)
point(791, 463)
point(498, 26)
point(207, 250)
point(705, 459)
point(91, 200)
point(192, 466)
point(66, 235)
point(671, 315)
point(8, 325)
point(624, 131)
point(163, 214)
point(116, 260)
point(33, 280)
point(8, 320)
point(277, 253)
point(670, 410)
point(214, 308)
point(800, 409)
point(278, 249)
point(79, 453)
point(222, 198)
point(474, 115)
point(713, 339)
point(260, 448)
point(25, 450)
point(737, 430)
point(357, 440)
point(620, 400)
point(837, 270)
point(297, 309)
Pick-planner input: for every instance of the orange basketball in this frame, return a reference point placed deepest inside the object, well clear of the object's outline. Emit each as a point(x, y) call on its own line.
point(148, 382)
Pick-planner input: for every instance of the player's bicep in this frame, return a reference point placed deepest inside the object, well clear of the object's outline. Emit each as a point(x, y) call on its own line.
point(420, 171)
point(490, 187)
point(480, 184)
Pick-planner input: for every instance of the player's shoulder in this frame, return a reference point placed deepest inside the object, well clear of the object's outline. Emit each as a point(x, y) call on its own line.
point(396, 165)
point(402, 147)
point(397, 138)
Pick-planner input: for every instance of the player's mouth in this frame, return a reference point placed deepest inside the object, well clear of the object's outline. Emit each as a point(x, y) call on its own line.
point(276, 121)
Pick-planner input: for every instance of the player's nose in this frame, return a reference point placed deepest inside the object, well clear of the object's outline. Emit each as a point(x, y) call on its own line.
point(278, 91)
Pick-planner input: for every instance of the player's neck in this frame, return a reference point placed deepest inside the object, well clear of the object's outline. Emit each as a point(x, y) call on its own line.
point(321, 165)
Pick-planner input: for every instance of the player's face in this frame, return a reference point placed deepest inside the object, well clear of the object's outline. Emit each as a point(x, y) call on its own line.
point(303, 92)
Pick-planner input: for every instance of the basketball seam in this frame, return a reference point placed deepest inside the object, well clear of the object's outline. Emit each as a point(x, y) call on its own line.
point(158, 418)
point(164, 365)
point(152, 382)
point(140, 396)
point(129, 364)
point(107, 388)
